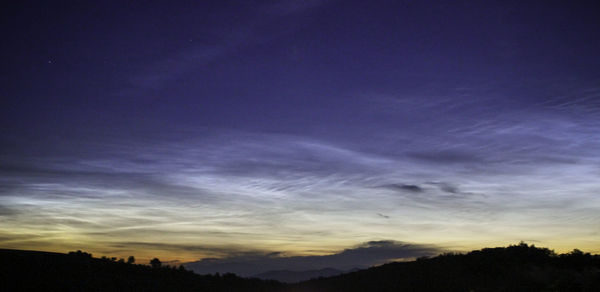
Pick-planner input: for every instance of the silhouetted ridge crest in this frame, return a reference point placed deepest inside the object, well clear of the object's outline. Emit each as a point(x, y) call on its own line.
point(515, 268)
point(519, 267)
point(79, 271)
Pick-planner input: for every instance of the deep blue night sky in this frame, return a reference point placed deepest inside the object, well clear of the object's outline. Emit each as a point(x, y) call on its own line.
point(225, 129)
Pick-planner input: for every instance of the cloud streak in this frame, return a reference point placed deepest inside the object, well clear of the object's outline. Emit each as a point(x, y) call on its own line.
point(308, 192)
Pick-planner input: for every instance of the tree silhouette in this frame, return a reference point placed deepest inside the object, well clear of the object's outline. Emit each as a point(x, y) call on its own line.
point(514, 268)
point(81, 254)
point(45, 271)
point(155, 263)
point(131, 260)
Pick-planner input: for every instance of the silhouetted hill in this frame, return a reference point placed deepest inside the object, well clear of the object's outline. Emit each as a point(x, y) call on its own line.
point(45, 271)
point(297, 276)
point(515, 268)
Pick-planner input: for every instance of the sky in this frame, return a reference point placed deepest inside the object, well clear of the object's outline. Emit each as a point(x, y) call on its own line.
point(227, 130)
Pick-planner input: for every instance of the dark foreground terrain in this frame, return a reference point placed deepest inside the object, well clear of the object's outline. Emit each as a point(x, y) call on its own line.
point(514, 268)
point(44, 271)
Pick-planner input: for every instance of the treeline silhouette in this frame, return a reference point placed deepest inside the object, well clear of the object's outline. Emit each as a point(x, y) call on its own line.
point(79, 271)
point(515, 268)
point(519, 267)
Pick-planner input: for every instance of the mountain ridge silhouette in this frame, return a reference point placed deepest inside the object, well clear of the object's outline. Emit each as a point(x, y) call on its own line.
point(514, 268)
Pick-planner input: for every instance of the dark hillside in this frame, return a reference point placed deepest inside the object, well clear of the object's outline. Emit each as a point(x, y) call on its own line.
point(44, 271)
point(515, 268)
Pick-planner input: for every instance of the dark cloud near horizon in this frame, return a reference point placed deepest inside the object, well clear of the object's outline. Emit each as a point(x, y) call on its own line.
point(383, 216)
point(362, 256)
point(404, 187)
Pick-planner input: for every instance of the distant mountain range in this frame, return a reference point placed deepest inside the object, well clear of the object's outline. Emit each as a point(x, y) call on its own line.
point(514, 268)
point(297, 276)
point(362, 256)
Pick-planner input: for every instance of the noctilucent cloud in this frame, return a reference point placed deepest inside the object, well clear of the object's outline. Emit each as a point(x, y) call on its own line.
point(218, 129)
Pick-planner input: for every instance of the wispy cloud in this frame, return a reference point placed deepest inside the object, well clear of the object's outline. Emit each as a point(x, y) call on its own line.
point(168, 71)
point(276, 192)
